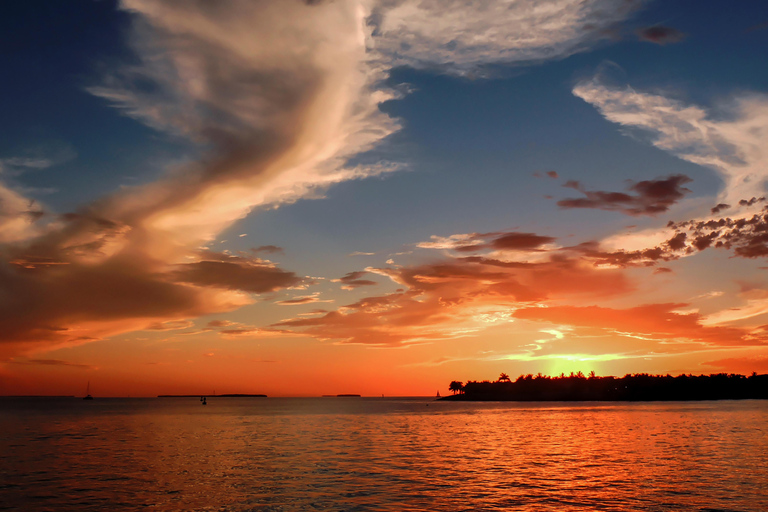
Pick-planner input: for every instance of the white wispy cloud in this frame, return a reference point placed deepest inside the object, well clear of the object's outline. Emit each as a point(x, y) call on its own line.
point(37, 158)
point(732, 144)
point(460, 35)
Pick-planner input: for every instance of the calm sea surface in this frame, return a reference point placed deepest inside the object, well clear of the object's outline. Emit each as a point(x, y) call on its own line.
point(380, 454)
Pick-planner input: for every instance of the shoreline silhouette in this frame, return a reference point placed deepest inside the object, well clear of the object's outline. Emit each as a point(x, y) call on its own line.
point(638, 387)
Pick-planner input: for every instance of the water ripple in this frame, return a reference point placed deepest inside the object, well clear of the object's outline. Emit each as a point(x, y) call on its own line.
point(382, 455)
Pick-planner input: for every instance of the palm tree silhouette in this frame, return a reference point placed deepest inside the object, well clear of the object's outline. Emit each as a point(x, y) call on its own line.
point(504, 378)
point(456, 386)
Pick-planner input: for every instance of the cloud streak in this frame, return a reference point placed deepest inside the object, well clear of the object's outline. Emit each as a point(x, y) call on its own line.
point(235, 273)
point(660, 35)
point(52, 362)
point(353, 280)
point(651, 196)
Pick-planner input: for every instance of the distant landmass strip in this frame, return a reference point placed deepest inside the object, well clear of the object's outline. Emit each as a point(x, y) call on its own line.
point(228, 395)
point(37, 396)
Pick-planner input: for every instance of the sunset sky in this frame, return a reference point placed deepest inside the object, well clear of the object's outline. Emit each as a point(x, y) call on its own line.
point(305, 197)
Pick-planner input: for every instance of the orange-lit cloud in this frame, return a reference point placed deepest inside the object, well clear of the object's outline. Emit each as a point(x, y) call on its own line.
point(279, 96)
point(463, 295)
point(661, 322)
point(529, 277)
point(301, 300)
point(75, 303)
point(17, 215)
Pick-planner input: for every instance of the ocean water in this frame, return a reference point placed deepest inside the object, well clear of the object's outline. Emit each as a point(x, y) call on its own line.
point(285, 454)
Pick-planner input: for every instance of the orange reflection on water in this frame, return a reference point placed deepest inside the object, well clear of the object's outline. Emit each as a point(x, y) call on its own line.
point(378, 454)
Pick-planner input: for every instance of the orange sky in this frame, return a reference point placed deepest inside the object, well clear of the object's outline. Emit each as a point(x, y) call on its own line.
point(420, 261)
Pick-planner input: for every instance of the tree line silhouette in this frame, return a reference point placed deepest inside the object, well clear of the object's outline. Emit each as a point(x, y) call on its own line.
point(631, 387)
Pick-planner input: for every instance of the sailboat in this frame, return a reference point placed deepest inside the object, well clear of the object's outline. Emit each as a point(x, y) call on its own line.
point(88, 392)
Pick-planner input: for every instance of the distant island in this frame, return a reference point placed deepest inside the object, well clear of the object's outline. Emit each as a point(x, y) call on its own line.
point(345, 395)
point(37, 396)
point(228, 395)
point(631, 387)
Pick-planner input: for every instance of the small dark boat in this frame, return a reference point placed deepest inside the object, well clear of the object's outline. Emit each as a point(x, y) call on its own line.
point(88, 392)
